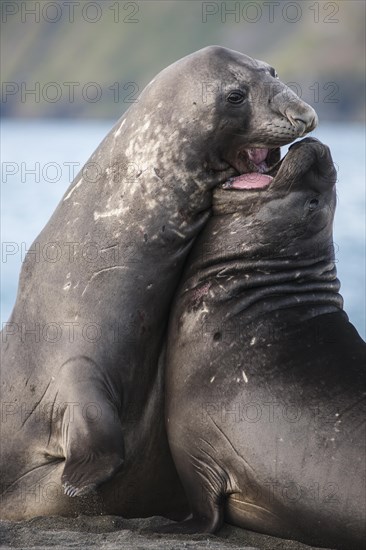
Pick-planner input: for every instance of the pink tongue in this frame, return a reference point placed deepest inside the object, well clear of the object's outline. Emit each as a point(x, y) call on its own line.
point(257, 155)
point(253, 180)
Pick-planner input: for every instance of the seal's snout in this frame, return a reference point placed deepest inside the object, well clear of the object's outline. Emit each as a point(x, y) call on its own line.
point(309, 160)
point(304, 119)
point(299, 114)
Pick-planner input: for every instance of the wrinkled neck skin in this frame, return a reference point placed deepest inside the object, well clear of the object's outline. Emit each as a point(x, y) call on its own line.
point(258, 256)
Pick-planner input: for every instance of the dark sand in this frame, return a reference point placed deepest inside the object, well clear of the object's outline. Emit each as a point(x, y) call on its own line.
point(113, 532)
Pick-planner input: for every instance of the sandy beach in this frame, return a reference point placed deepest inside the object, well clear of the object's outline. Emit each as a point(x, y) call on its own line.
point(113, 532)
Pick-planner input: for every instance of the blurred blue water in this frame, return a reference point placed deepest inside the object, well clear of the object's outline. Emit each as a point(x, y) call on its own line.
point(28, 199)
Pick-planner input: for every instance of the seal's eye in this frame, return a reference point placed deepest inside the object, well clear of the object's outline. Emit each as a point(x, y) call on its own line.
point(236, 97)
point(272, 72)
point(313, 204)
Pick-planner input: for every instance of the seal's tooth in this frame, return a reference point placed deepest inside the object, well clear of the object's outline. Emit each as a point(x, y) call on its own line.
point(258, 155)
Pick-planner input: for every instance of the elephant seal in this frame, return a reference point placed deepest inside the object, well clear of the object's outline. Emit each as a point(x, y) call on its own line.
point(82, 384)
point(265, 374)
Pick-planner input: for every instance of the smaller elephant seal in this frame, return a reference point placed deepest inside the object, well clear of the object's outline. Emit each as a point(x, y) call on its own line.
point(265, 374)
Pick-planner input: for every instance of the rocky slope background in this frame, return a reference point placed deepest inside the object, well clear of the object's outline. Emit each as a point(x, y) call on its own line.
point(91, 59)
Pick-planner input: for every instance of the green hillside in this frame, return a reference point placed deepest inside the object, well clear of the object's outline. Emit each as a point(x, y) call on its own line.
point(78, 67)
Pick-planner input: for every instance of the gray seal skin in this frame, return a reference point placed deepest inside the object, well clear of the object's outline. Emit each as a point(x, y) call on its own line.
point(265, 376)
point(82, 385)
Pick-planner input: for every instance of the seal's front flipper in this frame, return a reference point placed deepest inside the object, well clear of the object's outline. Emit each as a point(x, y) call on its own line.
point(94, 450)
point(84, 472)
point(205, 483)
point(91, 430)
point(80, 485)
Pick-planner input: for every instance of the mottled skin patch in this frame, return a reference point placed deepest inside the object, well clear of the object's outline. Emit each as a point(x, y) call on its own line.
point(121, 235)
point(266, 381)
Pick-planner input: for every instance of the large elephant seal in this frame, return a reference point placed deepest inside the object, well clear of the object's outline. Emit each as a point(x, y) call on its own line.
point(82, 387)
point(265, 374)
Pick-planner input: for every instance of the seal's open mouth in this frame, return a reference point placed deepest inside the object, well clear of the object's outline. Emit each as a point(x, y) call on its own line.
point(257, 167)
